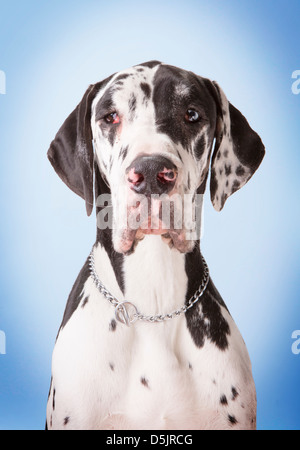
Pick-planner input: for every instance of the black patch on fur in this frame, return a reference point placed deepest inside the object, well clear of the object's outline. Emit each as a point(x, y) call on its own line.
point(204, 319)
point(146, 90)
point(199, 147)
point(123, 152)
point(145, 382)
point(240, 171)
point(132, 105)
point(123, 76)
point(234, 393)
point(75, 296)
point(223, 400)
point(85, 301)
point(113, 325)
point(53, 400)
point(232, 420)
point(248, 146)
point(227, 170)
point(66, 420)
point(112, 366)
point(235, 186)
point(170, 107)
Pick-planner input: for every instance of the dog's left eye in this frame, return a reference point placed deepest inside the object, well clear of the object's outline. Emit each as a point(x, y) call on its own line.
point(112, 118)
point(192, 116)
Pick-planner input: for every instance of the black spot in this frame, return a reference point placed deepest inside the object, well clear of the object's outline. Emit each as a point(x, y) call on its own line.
point(227, 170)
point(146, 89)
point(210, 324)
point(232, 419)
point(112, 366)
point(123, 76)
point(225, 153)
point(199, 147)
point(84, 302)
point(145, 382)
point(132, 104)
point(53, 400)
point(223, 400)
point(235, 186)
point(66, 420)
point(123, 152)
point(189, 181)
point(240, 171)
point(234, 393)
point(113, 325)
point(190, 366)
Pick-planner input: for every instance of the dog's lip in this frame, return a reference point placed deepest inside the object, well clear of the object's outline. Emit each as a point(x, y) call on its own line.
point(148, 228)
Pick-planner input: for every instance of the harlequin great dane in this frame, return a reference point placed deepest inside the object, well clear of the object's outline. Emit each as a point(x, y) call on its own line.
point(146, 341)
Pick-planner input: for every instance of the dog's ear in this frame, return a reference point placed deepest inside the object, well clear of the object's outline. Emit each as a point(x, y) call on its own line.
point(71, 152)
point(237, 154)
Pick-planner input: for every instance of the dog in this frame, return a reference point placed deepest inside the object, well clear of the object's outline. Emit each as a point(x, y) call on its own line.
point(146, 341)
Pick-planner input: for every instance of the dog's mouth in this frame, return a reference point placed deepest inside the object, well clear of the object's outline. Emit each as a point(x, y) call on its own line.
point(163, 217)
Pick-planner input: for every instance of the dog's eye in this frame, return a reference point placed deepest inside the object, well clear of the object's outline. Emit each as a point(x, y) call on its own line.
point(112, 118)
point(192, 116)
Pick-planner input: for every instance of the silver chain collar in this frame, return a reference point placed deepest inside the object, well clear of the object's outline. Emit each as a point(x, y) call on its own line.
point(127, 313)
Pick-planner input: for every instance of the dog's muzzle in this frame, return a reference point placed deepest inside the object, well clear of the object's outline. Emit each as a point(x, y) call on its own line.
point(153, 204)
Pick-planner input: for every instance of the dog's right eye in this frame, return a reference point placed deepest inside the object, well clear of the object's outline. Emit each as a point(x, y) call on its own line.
point(112, 118)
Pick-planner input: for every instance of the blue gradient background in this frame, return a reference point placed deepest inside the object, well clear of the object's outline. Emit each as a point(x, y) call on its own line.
point(51, 52)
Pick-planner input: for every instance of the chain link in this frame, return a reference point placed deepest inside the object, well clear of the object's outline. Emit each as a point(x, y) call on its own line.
point(138, 316)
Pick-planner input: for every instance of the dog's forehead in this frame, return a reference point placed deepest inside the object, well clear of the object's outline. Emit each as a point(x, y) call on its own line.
point(137, 84)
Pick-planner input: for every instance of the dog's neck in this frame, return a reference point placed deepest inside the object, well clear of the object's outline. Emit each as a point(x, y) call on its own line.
point(157, 279)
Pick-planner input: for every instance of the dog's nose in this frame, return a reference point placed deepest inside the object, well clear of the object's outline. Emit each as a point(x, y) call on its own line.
point(151, 175)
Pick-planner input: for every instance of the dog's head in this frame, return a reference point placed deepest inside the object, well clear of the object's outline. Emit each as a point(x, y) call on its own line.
point(149, 131)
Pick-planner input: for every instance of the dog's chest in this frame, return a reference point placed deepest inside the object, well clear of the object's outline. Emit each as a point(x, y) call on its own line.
point(107, 375)
point(149, 376)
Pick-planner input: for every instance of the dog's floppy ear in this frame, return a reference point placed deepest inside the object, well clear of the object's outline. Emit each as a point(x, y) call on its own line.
point(238, 151)
point(71, 152)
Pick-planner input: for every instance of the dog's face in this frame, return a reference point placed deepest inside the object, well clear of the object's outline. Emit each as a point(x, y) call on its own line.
point(153, 127)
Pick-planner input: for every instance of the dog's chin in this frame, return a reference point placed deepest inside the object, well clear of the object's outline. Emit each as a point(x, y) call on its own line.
point(176, 239)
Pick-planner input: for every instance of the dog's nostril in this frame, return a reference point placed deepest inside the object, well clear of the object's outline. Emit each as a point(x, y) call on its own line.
point(135, 178)
point(166, 176)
